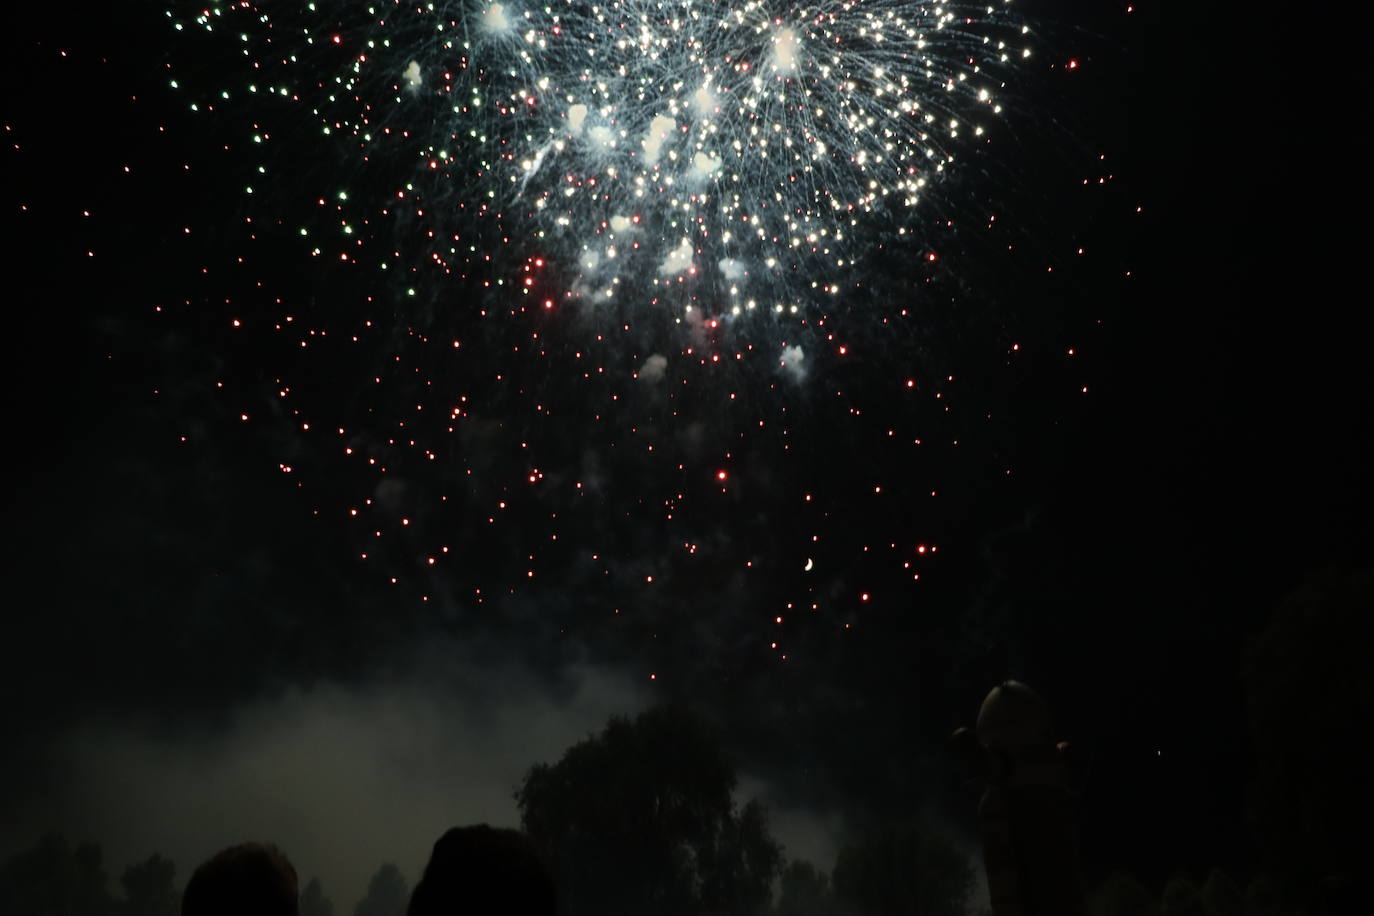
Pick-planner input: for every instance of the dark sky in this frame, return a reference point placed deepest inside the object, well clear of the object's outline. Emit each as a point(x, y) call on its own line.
point(1130, 470)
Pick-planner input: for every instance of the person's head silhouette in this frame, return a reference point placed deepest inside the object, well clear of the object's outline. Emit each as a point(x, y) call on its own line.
point(249, 878)
point(479, 870)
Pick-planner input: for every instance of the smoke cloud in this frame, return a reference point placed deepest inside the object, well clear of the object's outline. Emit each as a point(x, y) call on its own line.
point(342, 777)
point(653, 368)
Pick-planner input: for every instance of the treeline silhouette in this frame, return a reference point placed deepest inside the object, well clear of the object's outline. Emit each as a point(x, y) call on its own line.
point(640, 820)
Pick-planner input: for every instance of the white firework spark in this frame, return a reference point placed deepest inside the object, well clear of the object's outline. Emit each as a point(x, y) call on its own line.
point(737, 153)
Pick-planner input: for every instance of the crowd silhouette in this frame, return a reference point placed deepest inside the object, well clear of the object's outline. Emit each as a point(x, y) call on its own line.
point(247, 878)
point(475, 869)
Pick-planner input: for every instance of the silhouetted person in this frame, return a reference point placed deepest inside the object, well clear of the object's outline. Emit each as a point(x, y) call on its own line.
point(251, 878)
point(480, 870)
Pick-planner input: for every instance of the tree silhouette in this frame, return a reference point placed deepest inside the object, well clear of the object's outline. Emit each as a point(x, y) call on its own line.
point(1263, 897)
point(903, 870)
point(148, 888)
point(804, 890)
point(314, 902)
point(1337, 895)
point(1221, 895)
point(53, 879)
point(1120, 894)
point(1181, 897)
point(640, 819)
point(387, 894)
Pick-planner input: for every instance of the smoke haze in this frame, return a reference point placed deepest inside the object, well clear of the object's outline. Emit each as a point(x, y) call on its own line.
point(342, 777)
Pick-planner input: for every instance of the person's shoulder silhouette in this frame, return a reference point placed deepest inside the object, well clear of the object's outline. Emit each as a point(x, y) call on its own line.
point(481, 869)
point(252, 878)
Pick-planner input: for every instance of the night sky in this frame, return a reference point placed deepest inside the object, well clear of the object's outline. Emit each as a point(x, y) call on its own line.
point(337, 504)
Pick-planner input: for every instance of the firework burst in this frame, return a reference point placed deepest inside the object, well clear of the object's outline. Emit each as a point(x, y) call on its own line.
point(579, 263)
point(732, 157)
